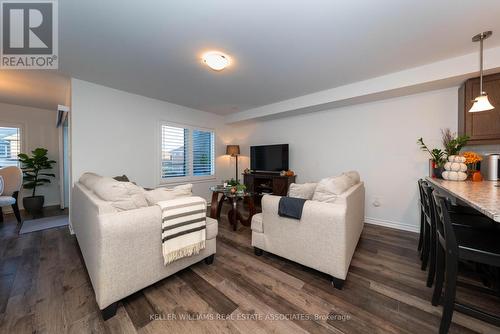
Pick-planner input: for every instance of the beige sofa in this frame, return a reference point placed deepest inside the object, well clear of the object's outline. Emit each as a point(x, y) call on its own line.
point(122, 249)
point(324, 238)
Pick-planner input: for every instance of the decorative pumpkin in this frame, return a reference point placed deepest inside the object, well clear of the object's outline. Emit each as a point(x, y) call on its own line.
point(476, 176)
point(455, 169)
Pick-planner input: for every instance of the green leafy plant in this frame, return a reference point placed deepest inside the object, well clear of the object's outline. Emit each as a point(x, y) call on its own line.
point(32, 167)
point(232, 182)
point(452, 143)
point(239, 186)
point(437, 155)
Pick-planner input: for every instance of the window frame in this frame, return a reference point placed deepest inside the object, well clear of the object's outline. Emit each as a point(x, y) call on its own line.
point(22, 135)
point(190, 177)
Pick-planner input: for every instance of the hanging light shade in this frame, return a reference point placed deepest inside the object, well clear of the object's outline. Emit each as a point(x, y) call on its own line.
point(481, 103)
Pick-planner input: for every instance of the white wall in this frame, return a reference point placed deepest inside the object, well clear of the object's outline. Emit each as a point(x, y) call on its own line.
point(38, 128)
point(378, 139)
point(114, 132)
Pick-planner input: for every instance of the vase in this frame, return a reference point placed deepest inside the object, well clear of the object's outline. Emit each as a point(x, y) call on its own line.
point(455, 169)
point(436, 172)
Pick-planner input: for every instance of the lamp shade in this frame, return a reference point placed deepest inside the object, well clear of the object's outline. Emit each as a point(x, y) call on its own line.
point(481, 103)
point(233, 150)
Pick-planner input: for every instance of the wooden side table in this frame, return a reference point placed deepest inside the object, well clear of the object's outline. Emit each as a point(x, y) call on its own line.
point(234, 215)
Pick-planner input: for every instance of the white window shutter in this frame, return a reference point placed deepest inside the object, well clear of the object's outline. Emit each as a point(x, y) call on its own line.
point(174, 152)
point(187, 153)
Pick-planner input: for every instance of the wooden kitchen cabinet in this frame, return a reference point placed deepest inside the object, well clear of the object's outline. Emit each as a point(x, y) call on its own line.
point(482, 127)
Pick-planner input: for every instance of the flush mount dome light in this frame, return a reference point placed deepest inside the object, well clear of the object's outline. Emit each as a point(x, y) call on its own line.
point(217, 61)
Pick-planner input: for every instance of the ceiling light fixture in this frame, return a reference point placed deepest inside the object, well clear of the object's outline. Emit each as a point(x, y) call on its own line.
point(481, 103)
point(217, 61)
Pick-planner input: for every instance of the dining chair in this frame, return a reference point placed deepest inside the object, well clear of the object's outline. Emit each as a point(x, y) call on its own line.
point(422, 215)
point(454, 243)
point(12, 182)
point(430, 228)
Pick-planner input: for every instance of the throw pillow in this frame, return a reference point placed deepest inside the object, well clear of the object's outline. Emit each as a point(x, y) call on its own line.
point(304, 190)
point(354, 176)
point(328, 189)
point(121, 195)
point(89, 180)
point(164, 194)
point(123, 178)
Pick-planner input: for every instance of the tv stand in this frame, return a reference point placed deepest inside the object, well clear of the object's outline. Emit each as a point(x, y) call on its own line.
point(262, 183)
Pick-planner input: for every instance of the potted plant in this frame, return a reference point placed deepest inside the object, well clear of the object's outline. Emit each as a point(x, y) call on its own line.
point(437, 157)
point(236, 187)
point(452, 143)
point(33, 177)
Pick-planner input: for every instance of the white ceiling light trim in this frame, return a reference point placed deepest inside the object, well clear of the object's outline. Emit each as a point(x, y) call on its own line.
point(216, 60)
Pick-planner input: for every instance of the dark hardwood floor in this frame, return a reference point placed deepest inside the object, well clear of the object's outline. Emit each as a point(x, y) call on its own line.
point(44, 288)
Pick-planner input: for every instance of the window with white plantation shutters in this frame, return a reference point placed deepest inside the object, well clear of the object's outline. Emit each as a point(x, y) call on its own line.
point(187, 153)
point(10, 146)
point(203, 153)
point(174, 152)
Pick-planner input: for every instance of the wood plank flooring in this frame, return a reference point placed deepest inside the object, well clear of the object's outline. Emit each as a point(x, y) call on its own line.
point(44, 288)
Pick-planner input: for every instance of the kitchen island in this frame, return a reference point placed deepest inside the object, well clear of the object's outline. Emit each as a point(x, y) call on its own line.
point(483, 196)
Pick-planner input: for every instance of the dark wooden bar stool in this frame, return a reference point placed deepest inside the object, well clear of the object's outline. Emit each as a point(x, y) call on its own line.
point(457, 242)
point(422, 216)
point(459, 215)
point(430, 230)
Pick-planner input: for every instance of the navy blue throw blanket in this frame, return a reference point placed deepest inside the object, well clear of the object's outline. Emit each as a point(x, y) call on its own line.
point(291, 207)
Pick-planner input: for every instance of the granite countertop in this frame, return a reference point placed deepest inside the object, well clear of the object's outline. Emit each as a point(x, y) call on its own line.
point(483, 196)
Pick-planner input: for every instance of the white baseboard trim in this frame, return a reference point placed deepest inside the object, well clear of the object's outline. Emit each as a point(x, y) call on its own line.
point(391, 224)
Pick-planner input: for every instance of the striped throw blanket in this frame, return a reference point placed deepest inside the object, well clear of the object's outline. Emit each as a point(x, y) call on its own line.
point(183, 227)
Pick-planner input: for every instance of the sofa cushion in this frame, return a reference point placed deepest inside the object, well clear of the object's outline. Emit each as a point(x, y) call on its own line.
point(121, 195)
point(354, 176)
point(7, 200)
point(304, 190)
point(257, 225)
point(328, 189)
point(89, 180)
point(164, 194)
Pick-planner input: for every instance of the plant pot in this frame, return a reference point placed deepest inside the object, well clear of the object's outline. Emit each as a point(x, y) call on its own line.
point(34, 205)
point(437, 172)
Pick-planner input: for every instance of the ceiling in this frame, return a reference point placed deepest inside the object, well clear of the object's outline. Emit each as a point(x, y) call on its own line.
point(39, 89)
point(280, 49)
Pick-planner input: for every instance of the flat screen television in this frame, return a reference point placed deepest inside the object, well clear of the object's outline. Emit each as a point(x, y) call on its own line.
point(269, 158)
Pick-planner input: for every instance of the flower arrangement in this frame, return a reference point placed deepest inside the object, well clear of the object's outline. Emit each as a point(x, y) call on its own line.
point(235, 186)
point(471, 159)
point(452, 143)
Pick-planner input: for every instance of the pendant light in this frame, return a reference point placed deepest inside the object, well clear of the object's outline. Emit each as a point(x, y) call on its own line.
point(481, 103)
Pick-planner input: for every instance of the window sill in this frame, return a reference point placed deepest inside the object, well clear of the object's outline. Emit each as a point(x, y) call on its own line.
point(187, 180)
